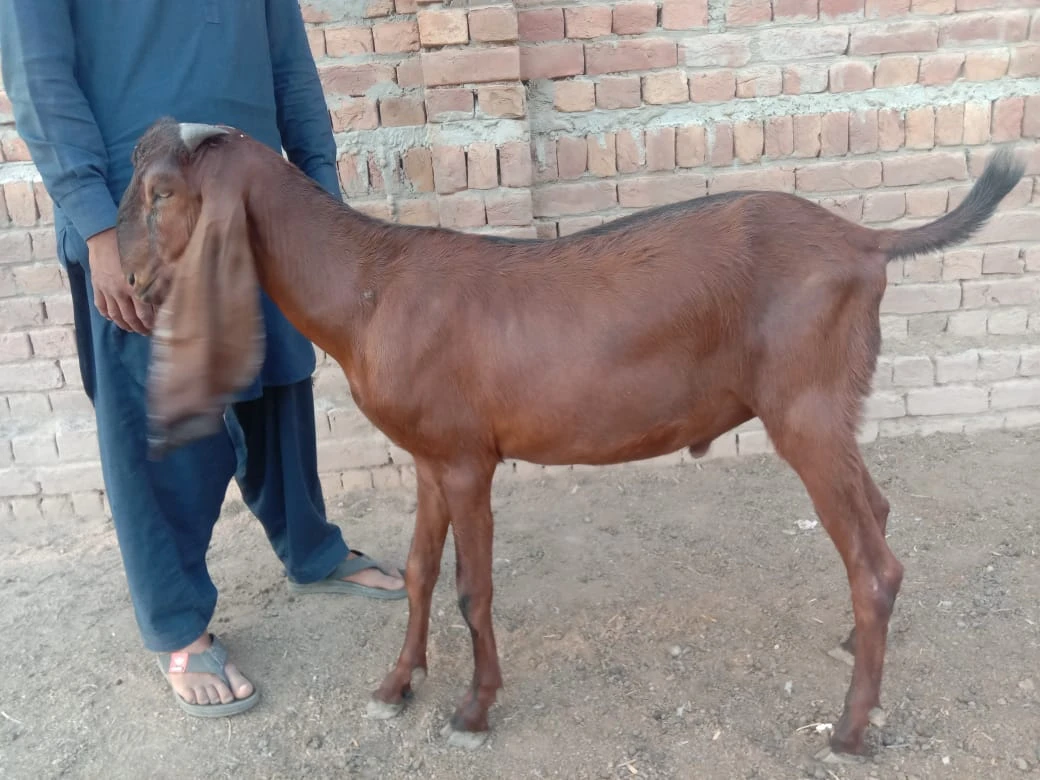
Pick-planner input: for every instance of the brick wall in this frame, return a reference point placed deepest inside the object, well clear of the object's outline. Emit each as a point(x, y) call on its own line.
point(538, 118)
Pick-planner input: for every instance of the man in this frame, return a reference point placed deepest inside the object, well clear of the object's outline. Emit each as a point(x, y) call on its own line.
point(86, 78)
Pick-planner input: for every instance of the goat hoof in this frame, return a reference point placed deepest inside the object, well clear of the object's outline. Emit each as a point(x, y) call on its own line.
point(468, 740)
point(381, 710)
point(829, 756)
point(839, 653)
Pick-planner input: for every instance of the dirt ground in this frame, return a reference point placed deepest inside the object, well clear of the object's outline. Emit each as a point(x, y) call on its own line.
point(654, 622)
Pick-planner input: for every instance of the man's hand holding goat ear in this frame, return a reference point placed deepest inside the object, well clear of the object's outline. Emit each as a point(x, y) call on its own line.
point(113, 295)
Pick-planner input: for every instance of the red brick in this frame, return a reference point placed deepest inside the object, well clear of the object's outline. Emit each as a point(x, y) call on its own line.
point(355, 114)
point(630, 151)
point(977, 118)
point(659, 191)
point(462, 210)
point(552, 61)
point(542, 24)
point(810, 78)
point(1008, 114)
point(346, 41)
point(312, 14)
point(998, 27)
point(462, 66)
point(21, 203)
point(741, 13)
point(316, 42)
point(449, 169)
point(776, 178)
point(691, 146)
point(840, 9)
point(795, 10)
point(355, 80)
point(863, 131)
point(509, 207)
point(629, 54)
point(545, 157)
point(924, 168)
point(497, 25)
point(941, 69)
point(779, 137)
point(443, 27)
point(556, 200)
point(602, 155)
point(14, 149)
point(401, 111)
point(897, 71)
point(15, 247)
point(785, 44)
point(884, 9)
point(834, 134)
point(406, 6)
point(835, 177)
point(949, 125)
point(393, 37)
point(894, 38)
point(920, 128)
point(507, 101)
point(587, 21)
point(986, 65)
point(443, 105)
point(409, 73)
point(684, 14)
point(748, 141)
point(514, 163)
point(418, 168)
point(375, 176)
point(883, 206)
point(1025, 61)
point(807, 130)
point(44, 244)
point(759, 81)
point(375, 8)
point(720, 145)
point(891, 129)
point(44, 204)
point(665, 87)
point(634, 18)
point(1031, 122)
point(482, 166)
point(933, 7)
point(851, 76)
point(660, 149)
point(723, 50)
point(715, 86)
point(572, 155)
point(571, 225)
point(618, 92)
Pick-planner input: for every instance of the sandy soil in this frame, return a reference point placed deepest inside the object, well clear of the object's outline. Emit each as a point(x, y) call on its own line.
point(652, 622)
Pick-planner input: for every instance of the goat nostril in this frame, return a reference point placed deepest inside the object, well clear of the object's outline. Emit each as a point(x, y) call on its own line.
point(130, 279)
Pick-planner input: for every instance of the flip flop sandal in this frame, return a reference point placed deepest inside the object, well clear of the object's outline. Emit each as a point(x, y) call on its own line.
point(334, 583)
point(211, 661)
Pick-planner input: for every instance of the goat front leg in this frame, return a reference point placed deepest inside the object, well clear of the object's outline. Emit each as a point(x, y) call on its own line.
point(421, 573)
point(468, 494)
point(828, 461)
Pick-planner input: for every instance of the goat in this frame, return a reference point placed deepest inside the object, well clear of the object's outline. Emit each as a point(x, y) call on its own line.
point(660, 330)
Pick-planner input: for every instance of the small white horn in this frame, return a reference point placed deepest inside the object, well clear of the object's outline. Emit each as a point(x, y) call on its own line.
point(194, 134)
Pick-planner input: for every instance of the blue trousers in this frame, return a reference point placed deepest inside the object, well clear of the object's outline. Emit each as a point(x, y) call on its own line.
point(164, 511)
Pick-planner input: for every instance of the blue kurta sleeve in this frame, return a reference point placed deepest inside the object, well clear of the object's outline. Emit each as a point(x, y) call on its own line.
point(303, 115)
point(51, 112)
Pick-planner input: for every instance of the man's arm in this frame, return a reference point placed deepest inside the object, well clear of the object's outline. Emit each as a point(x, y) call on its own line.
point(303, 115)
point(51, 113)
point(53, 117)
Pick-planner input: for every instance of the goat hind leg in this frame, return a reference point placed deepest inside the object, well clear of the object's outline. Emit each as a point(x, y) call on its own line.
point(423, 568)
point(828, 462)
point(469, 501)
point(845, 651)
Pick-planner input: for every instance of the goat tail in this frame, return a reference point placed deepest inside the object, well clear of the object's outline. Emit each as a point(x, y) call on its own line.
point(1001, 175)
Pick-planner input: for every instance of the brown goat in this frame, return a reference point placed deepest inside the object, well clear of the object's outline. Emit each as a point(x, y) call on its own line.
point(658, 331)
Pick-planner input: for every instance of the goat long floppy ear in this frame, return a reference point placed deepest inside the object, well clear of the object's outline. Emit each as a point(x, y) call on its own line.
point(208, 343)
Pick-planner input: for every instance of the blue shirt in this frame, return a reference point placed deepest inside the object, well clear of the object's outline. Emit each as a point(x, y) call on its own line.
point(87, 77)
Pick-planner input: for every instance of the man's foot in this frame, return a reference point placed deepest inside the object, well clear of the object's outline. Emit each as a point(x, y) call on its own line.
point(204, 683)
point(358, 573)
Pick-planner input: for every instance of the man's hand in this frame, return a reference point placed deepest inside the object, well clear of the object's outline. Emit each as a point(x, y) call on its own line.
point(113, 296)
